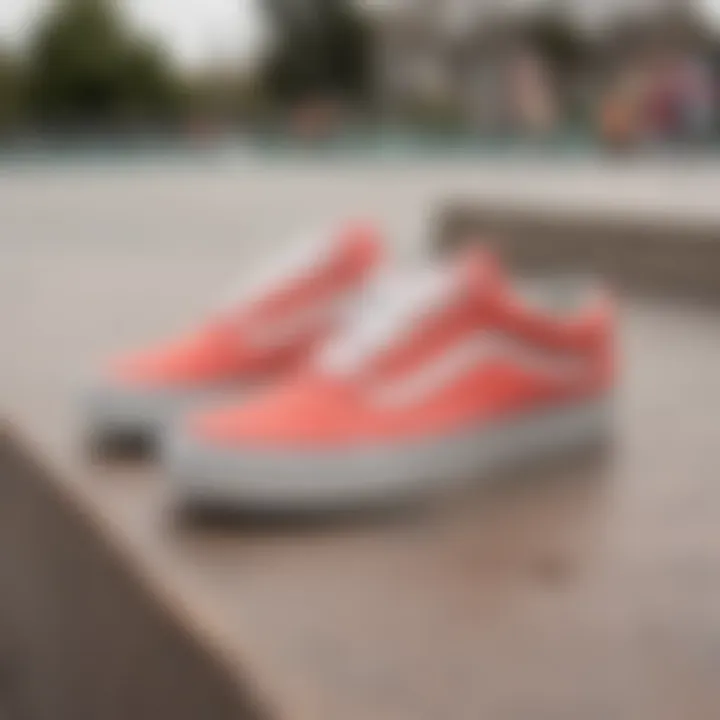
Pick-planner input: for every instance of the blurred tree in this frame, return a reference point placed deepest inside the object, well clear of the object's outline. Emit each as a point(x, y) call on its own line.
point(87, 66)
point(11, 90)
point(223, 95)
point(568, 53)
point(150, 89)
point(321, 48)
point(555, 35)
point(683, 26)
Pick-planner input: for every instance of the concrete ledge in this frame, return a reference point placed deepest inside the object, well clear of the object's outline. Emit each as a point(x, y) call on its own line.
point(80, 637)
point(592, 593)
point(665, 256)
point(588, 593)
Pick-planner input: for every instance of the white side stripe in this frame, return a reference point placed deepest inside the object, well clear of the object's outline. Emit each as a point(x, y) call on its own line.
point(467, 355)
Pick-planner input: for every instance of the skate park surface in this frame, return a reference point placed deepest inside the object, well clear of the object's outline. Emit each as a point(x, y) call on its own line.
point(587, 591)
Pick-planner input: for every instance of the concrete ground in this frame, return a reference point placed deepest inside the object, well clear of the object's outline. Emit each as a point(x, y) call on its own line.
point(63, 228)
point(596, 596)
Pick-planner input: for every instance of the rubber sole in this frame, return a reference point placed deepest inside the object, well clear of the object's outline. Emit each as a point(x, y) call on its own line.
point(119, 416)
point(257, 479)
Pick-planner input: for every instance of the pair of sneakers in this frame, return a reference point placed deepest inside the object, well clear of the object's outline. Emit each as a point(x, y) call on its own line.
point(341, 380)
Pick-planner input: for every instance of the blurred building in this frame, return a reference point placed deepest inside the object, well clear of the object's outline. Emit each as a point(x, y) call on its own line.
point(600, 13)
point(465, 59)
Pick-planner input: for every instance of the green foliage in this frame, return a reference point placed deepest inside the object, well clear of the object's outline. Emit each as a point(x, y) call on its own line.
point(223, 95)
point(87, 66)
point(556, 37)
point(11, 91)
point(323, 50)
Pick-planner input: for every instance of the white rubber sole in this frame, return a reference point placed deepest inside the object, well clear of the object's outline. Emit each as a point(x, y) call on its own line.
point(259, 479)
point(116, 412)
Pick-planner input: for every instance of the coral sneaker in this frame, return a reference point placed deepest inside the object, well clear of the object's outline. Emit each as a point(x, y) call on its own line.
point(445, 373)
point(264, 332)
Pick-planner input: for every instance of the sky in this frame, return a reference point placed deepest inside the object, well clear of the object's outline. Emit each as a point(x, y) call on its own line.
point(198, 30)
point(195, 31)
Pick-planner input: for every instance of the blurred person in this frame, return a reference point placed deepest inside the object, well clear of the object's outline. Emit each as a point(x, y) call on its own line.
point(316, 119)
point(620, 115)
point(698, 97)
point(662, 115)
point(533, 96)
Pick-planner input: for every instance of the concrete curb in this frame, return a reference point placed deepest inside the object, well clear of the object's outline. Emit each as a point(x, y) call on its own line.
point(81, 638)
point(666, 257)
